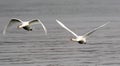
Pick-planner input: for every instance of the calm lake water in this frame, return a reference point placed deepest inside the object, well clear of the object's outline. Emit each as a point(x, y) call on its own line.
point(21, 48)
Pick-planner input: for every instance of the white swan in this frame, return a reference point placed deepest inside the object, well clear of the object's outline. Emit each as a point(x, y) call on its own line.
point(25, 25)
point(80, 39)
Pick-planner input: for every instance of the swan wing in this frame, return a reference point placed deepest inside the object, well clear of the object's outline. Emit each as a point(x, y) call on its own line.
point(33, 22)
point(12, 21)
point(66, 28)
point(37, 21)
point(92, 31)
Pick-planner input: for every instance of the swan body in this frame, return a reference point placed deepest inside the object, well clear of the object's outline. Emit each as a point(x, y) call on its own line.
point(24, 24)
point(80, 39)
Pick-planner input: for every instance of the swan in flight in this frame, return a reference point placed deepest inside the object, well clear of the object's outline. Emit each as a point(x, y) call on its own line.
point(80, 39)
point(25, 25)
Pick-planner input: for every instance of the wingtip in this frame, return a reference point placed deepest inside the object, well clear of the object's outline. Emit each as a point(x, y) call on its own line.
point(3, 33)
point(107, 23)
point(57, 20)
point(46, 33)
point(45, 29)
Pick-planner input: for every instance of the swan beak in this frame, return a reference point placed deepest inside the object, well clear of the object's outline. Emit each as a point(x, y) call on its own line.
point(18, 27)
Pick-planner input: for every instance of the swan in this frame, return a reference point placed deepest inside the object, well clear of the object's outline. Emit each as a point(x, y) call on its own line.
point(24, 24)
point(80, 39)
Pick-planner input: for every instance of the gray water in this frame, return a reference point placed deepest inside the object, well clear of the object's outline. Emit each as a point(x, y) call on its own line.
point(21, 48)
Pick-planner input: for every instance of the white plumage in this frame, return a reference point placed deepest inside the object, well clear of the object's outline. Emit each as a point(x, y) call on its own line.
point(24, 24)
point(80, 39)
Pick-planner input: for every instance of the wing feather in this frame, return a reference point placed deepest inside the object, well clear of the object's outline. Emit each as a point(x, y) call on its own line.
point(37, 21)
point(12, 21)
point(92, 31)
point(66, 28)
point(43, 27)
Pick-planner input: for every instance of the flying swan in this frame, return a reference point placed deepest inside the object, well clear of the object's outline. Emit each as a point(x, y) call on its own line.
point(24, 24)
point(80, 39)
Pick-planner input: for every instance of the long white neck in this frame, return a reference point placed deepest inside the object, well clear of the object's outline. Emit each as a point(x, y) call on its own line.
point(73, 39)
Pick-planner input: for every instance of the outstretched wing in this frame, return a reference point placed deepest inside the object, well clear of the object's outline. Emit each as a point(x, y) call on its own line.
point(92, 31)
point(12, 21)
point(37, 21)
point(66, 27)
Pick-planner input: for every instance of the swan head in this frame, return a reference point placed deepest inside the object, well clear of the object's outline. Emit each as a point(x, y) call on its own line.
point(19, 26)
